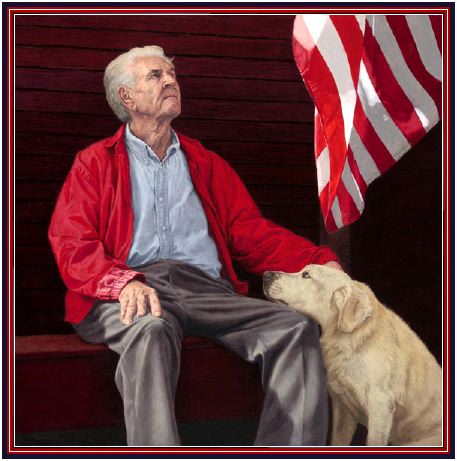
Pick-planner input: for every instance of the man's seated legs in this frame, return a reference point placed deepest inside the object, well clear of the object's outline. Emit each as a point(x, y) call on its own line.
point(147, 371)
point(283, 342)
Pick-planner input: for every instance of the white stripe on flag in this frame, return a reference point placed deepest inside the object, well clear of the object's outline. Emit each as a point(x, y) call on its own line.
point(336, 212)
point(376, 113)
point(424, 37)
point(332, 50)
point(352, 187)
point(423, 103)
point(365, 162)
point(323, 169)
point(361, 18)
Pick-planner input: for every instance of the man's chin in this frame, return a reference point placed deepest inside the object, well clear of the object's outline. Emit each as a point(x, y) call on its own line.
point(172, 105)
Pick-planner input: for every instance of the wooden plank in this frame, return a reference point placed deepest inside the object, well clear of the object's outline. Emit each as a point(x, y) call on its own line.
point(175, 43)
point(265, 153)
point(43, 168)
point(57, 346)
point(31, 123)
point(55, 168)
point(43, 301)
point(191, 87)
point(260, 26)
point(28, 190)
point(270, 194)
point(73, 58)
point(31, 233)
point(51, 144)
point(95, 104)
point(38, 277)
point(32, 323)
point(37, 255)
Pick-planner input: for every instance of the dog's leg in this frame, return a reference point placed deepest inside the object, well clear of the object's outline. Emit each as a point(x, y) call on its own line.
point(343, 424)
point(381, 408)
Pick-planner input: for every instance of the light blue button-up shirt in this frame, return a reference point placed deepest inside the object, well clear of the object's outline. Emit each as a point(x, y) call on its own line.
point(170, 222)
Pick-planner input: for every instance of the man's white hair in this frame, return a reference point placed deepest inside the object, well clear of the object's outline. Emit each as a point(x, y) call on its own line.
point(119, 73)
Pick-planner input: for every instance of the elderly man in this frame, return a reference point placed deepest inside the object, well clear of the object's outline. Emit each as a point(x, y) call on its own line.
point(144, 233)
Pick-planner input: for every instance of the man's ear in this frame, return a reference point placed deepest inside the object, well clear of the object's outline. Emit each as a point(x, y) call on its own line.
point(126, 98)
point(353, 305)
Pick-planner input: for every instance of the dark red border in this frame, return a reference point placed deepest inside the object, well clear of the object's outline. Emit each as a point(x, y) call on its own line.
point(235, 451)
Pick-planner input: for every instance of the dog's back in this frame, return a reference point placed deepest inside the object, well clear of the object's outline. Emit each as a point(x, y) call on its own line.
point(417, 384)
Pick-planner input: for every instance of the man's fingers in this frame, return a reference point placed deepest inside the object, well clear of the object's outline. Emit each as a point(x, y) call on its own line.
point(131, 311)
point(155, 304)
point(134, 300)
point(141, 303)
point(124, 300)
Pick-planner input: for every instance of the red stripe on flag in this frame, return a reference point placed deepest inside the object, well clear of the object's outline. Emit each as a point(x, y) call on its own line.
point(349, 210)
point(330, 223)
point(324, 92)
point(373, 144)
point(323, 198)
point(328, 217)
point(405, 40)
point(392, 96)
point(437, 26)
point(356, 172)
point(319, 139)
point(352, 39)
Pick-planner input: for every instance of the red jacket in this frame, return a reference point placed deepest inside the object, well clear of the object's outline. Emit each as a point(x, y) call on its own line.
point(91, 229)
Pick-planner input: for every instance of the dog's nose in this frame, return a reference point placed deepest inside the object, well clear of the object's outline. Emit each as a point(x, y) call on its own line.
point(268, 276)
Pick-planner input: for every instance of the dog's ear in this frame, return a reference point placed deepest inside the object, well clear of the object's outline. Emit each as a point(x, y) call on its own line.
point(353, 305)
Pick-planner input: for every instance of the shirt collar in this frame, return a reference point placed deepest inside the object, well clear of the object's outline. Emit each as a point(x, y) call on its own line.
point(143, 152)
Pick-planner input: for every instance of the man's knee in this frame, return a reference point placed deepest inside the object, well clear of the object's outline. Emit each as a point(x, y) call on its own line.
point(298, 322)
point(304, 327)
point(163, 329)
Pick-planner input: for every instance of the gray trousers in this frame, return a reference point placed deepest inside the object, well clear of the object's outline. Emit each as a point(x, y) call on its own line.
point(283, 342)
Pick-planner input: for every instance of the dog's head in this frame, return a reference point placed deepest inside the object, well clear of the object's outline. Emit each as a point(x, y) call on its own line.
point(327, 295)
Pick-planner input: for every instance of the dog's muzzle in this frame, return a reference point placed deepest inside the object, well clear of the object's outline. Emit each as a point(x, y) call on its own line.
point(269, 286)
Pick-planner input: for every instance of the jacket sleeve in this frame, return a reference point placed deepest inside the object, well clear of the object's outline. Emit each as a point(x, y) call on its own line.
point(74, 235)
point(259, 244)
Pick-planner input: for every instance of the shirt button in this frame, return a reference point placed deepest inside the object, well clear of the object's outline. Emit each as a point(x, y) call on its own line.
point(160, 199)
point(164, 227)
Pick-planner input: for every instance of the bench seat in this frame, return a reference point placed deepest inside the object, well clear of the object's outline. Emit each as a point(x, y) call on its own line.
point(63, 383)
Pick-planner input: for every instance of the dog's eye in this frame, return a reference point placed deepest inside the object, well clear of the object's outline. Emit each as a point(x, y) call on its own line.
point(305, 275)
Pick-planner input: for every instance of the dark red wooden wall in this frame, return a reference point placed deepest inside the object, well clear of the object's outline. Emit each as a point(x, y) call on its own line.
point(242, 97)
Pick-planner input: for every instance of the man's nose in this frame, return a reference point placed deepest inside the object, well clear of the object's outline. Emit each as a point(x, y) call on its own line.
point(169, 80)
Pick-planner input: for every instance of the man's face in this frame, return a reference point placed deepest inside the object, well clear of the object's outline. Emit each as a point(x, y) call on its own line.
point(156, 94)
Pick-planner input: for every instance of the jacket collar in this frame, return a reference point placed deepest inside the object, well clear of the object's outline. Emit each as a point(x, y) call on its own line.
point(193, 150)
point(118, 136)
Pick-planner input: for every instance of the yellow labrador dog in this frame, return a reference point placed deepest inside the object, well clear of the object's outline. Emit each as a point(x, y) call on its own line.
point(380, 374)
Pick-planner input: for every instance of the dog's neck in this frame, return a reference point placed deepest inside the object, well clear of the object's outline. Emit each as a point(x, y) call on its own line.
point(334, 341)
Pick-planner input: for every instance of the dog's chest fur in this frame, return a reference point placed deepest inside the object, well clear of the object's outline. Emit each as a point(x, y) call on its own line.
point(344, 375)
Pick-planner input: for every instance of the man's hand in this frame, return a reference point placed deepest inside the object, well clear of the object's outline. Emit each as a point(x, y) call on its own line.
point(135, 299)
point(335, 265)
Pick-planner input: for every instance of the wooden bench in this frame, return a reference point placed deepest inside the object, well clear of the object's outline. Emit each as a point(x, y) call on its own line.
point(63, 383)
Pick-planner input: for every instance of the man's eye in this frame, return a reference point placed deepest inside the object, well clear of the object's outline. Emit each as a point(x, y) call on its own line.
point(305, 275)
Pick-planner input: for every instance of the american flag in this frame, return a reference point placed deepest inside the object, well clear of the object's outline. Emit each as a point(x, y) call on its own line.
point(376, 84)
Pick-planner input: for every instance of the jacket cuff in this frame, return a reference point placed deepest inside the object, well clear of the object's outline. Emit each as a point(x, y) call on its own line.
point(112, 283)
